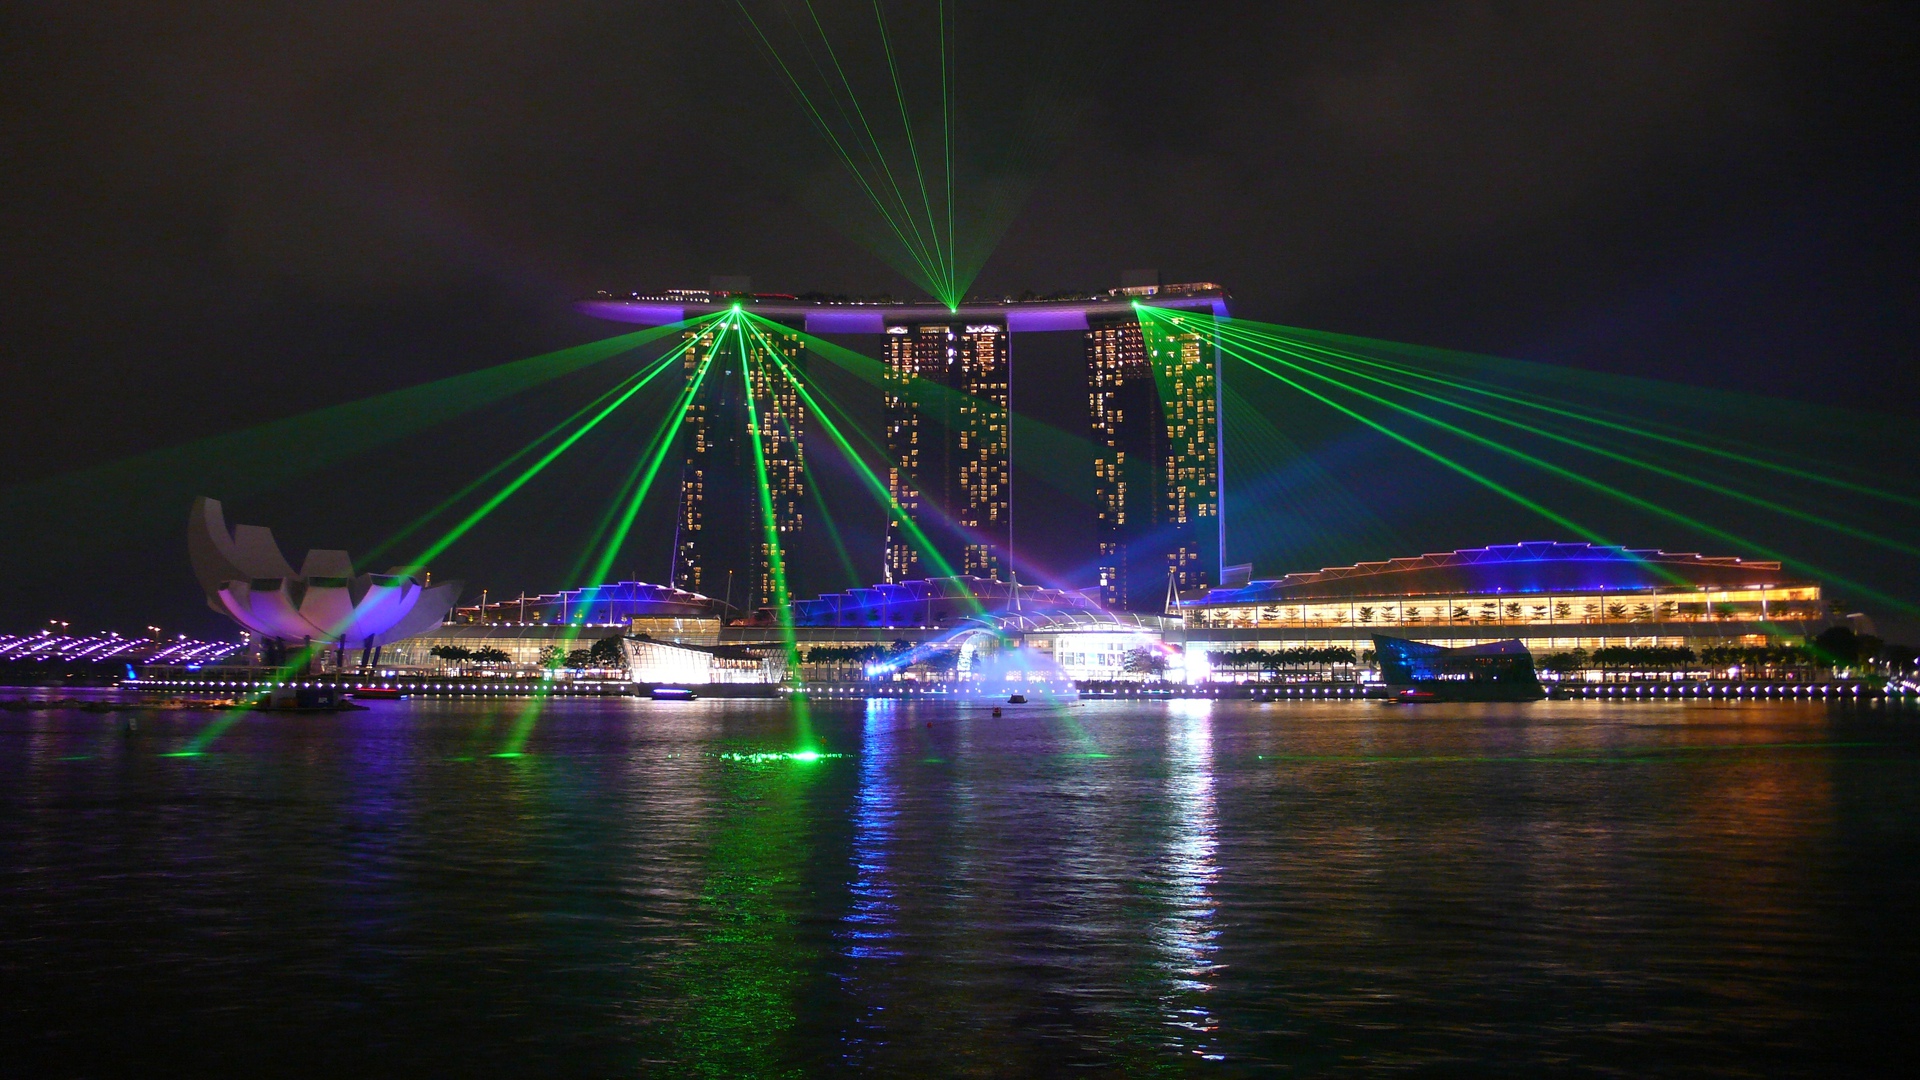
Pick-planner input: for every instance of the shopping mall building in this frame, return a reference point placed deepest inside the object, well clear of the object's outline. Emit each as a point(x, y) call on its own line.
point(1553, 597)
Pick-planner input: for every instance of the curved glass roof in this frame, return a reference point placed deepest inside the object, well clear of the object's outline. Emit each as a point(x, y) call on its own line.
point(1533, 567)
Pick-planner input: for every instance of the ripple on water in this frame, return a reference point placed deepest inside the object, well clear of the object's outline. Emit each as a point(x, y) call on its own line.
point(682, 888)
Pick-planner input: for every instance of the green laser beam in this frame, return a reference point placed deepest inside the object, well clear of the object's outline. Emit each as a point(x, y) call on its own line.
point(150, 486)
point(1268, 452)
point(304, 656)
point(876, 153)
point(476, 483)
point(1606, 489)
point(878, 489)
point(663, 443)
point(621, 492)
point(946, 130)
point(524, 721)
point(1626, 459)
point(1612, 425)
point(826, 81)
point(206, 736)
point(1742, 405)
point(859, 113)
point(913, 151)
point(453, 535)
point(833, 537)
point(297, 663)
point(776, 558)
point(826, 129)
point(770, 526)
point(1617, 493)
point(1052, 451)
point(1433, 455)
point(659, 446)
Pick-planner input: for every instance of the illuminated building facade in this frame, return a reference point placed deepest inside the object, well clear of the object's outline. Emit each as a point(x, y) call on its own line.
point(526, 628)
point(947, 434)
point(947, 437)
point(655, 663)
point(1153, 405)
point(324, 605)
point(642, 606)
point(1069, 634)
point(721, 548)
point(1554, 597)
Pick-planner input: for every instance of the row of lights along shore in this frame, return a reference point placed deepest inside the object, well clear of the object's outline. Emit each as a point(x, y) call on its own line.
point(1900, 689)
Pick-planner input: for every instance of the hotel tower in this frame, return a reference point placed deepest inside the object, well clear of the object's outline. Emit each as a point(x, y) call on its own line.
point(947, 438)
point(1153, 407)
point(721, 547)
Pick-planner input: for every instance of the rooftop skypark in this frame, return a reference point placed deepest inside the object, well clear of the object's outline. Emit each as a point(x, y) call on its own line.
point(820, 314)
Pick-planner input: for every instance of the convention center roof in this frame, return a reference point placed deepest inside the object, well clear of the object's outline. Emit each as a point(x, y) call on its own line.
point(1534, 567)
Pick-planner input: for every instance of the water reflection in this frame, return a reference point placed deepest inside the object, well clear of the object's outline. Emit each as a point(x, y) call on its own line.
point(1117, 888)
point(1187, 937)
point(740, 979)
point(871, 917)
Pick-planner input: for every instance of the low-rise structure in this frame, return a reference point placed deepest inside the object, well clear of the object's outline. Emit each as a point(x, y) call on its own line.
point(1553, 597)
point(657, 663)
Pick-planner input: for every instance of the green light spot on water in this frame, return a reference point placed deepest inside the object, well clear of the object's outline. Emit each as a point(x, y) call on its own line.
point(182, 753)
point(807, 757)
point(509, 754)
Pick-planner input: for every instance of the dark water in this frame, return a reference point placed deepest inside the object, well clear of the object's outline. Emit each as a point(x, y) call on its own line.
point(1108, 889)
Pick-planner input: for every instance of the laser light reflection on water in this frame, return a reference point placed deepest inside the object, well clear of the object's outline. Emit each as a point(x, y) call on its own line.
point(760, 757)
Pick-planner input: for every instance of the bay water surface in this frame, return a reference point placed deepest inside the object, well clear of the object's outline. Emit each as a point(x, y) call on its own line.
point(1108, 888)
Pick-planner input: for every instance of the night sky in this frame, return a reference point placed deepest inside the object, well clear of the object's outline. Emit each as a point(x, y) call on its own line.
point(221, 215)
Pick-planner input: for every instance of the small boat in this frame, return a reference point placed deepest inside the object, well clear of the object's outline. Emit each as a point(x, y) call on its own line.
point(1017, 699)
point(672, 693)
point(378, 693)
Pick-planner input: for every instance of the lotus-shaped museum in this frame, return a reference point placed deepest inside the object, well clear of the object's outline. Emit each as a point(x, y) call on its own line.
point(326, 604)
